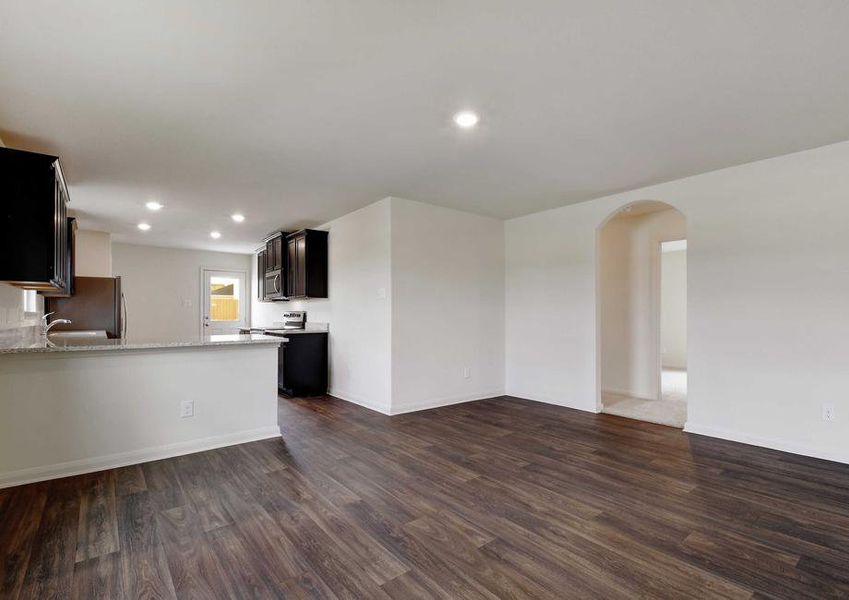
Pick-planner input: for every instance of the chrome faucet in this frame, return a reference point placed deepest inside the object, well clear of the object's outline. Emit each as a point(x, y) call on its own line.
point(45, 326)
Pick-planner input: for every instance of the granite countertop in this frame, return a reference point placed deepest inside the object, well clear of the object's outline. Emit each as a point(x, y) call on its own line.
point(28, 343)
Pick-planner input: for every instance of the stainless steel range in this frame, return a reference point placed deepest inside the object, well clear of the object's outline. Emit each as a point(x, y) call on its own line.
point(296, 319)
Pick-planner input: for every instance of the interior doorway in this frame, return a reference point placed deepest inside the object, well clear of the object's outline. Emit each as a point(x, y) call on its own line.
point(673, 321)
point(643, 314)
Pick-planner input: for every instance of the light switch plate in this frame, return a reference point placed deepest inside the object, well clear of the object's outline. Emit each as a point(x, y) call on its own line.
point(187, 408)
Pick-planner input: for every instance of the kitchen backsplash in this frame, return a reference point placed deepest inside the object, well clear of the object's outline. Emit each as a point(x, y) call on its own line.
point(12, 314)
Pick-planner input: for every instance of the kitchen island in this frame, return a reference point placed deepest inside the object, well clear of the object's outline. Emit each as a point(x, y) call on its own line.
point(76, 405)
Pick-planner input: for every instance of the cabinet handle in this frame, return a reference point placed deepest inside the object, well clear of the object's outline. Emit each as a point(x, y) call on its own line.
point(276, 283)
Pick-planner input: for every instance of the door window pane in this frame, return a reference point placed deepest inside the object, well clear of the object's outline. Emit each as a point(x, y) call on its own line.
point(224, 299)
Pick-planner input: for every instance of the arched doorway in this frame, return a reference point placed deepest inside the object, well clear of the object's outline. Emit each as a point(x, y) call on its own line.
point(641, 312)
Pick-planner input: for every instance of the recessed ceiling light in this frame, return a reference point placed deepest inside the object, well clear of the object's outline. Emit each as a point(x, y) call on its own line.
point(143, 226)
point(238, 217)
point(466, 119)
point(215, 234)
point(153, 205)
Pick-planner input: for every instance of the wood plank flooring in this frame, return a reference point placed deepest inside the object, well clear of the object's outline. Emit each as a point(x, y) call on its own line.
point(500, 498)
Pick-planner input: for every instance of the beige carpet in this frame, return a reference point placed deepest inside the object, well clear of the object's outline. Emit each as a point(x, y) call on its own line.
point(670, 410)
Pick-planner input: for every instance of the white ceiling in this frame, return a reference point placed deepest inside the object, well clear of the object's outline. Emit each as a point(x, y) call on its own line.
point(296, 112)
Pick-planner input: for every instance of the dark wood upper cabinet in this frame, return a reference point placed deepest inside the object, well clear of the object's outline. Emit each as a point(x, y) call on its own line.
point(306, 253)
point(33, 221)
point(260, 275)
point(274, 275)
point(293, 265)
point(274, 252)
point(68, 274)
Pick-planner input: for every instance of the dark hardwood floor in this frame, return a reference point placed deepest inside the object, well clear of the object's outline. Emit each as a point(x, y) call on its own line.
point(501, 498)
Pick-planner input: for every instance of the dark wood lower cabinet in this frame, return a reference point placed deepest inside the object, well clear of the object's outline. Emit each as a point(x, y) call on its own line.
point(302, 365)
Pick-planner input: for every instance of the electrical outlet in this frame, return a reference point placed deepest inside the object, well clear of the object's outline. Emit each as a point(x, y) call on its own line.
point(467, 372)
point(828, 412)
point(187, 408)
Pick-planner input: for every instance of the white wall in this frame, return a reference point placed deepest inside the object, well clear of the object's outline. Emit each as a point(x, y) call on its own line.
point(614, 288)
point(162, 287)
point(673, 309)
point(768, 287)
point(629, 299)
point(447, 306)
point(93, 253)
point(358, 308)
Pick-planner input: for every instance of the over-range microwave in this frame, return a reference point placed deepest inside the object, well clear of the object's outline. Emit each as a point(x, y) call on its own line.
point(275, 285)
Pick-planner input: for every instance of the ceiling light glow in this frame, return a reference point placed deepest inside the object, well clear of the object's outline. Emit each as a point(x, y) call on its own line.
point(238, 217)
point(143, 226)
point(466, 119)
point(153, 205)
point(215, 234)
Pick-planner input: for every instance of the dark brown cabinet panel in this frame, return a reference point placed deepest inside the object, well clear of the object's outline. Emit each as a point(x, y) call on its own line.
point(260, 275)
point(292, 267)
point(307, 264)
point(274, 253)
point(70, 263)
point(33, 220)
point(274, 276)
point(302, 365)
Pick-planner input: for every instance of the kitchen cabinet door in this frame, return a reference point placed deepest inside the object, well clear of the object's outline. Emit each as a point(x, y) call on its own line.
point(33, 221)
point(260, 275)
point(301, 254)
point(69, 262)
point(307, 264)
point(294, 288)
point(274, 253)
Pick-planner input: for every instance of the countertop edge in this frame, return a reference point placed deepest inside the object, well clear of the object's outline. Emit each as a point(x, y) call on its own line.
point(152, 345)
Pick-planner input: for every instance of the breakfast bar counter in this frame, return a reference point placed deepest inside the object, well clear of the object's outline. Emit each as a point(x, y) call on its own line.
point(75, 405)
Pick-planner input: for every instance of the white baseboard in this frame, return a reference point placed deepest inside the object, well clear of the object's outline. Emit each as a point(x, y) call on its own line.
point(633, 395)
point(554, 401)
point(425, 405)
point(133, 457)
point(358, 401)
point(841, 456)
point(448, 401)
